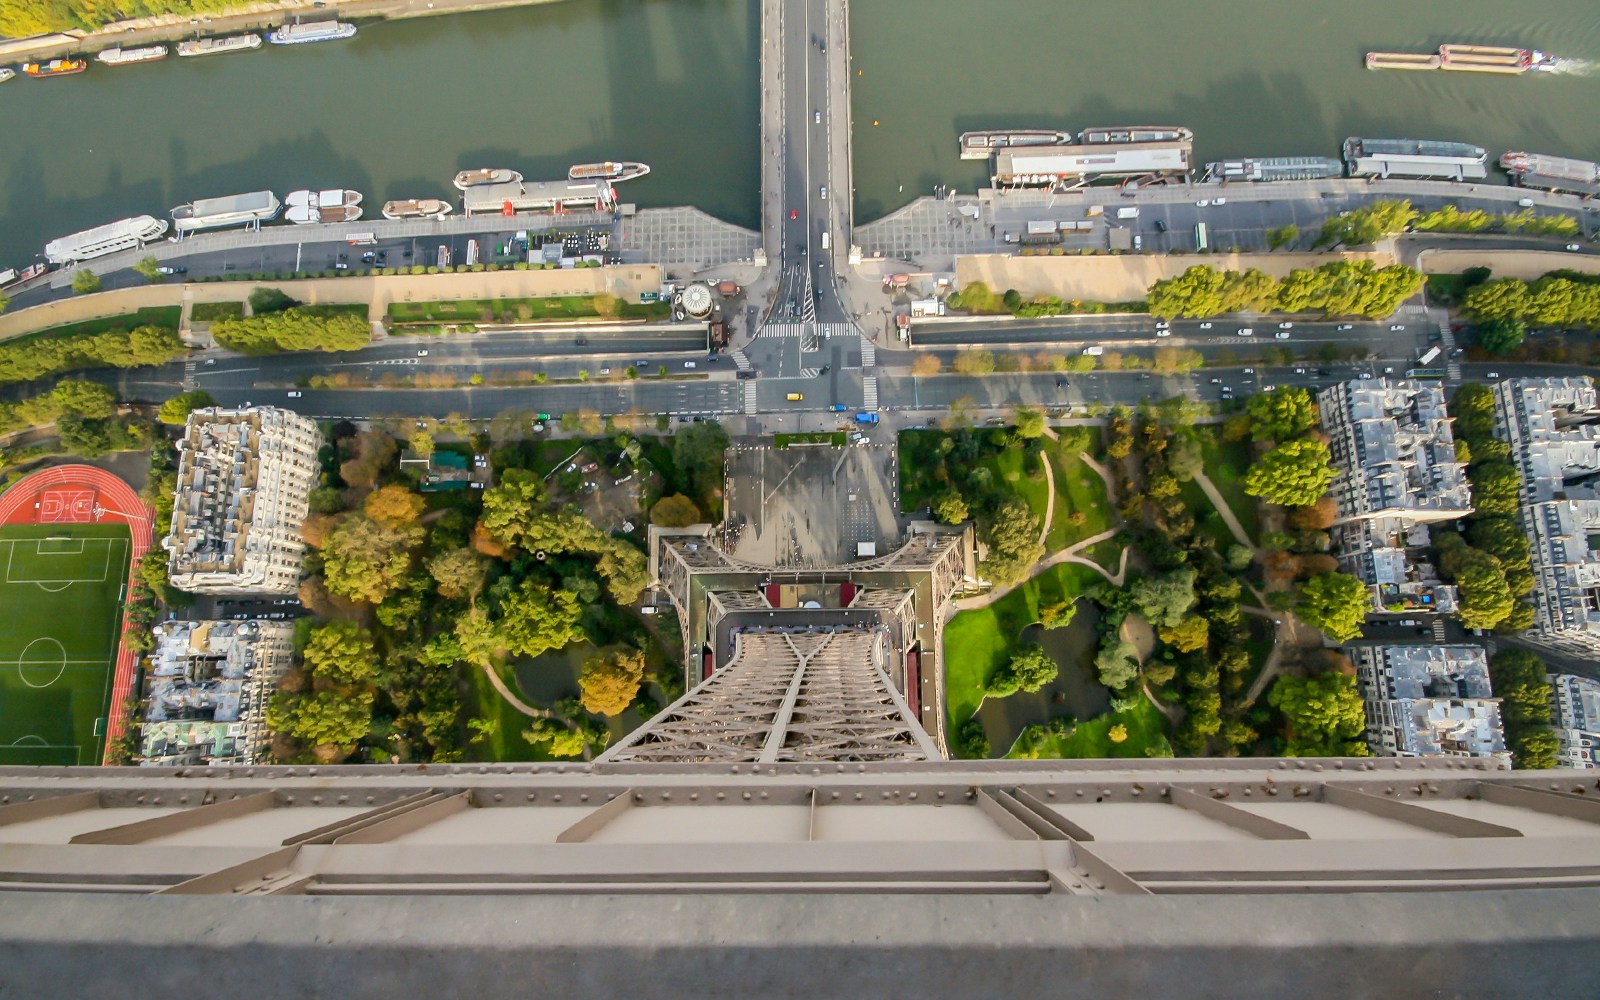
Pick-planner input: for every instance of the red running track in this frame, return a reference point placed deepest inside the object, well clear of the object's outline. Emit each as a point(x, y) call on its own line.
point(114, 502)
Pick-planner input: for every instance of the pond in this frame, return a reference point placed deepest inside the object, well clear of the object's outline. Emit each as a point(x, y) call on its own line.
point(546, 679)
point(1075, 689)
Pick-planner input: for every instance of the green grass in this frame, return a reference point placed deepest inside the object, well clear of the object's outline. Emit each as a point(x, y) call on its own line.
point(1091, 739)
point(522, 310)
point(58, 646)
point(1226, 464)
point(506, 744)
point(210, 312)
point(1078, 488)
point(977, 642)
point(162, 316)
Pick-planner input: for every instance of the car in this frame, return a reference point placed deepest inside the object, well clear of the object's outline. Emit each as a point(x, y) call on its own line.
point(1574, 246)
point(178, 270)
point(838, 408)
point(422, 354)
point(1216, 381)
point(816, 117)
point(1246, 332)
point(589, 468)
point(822, 43)
point(1249, 371)
point(1269, 388)
point(1061, 383)
point(295, 395)
point(1281, 335)
point(648, 609)
point(1203, 203)
point(605, 371)
point(689, 364)
point(1345, 326)
point(1299, 371)
point(1396, 327)
point(1219, 201)
point(1138, 242)
point(1388, 370)
point(1286, 326)
point(1435, 337)
point(1161, 226)
point(793, 214)
point(1162, 324)
point(211, 361)
point(823, 192)
point(795, 397)
point(1493, 375)
point(1205, 326)
point(1163, 332)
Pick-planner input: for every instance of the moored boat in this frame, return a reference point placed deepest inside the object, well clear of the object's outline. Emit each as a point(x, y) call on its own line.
point(982, 145)
point(12, 276)
point(331, 205)
point(55, 67)
point(124, 234)
point(611, 170)
point(485, 175)
point(417, 208)
point(6, 73)
point(219, 46)
point(1136, 133)
point(230, 210)
point(127, 57)
point(315, 31)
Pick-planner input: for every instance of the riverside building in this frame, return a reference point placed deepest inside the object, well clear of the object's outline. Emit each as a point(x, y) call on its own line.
point(1426, 701)
point(1553, 427)
point(1575, 709)
point(208, 690)
point(243, 479)
point(1392, 445)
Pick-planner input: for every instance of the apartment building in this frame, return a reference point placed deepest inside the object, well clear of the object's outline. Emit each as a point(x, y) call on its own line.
point(208, 687)
point(1426, 701)
point(1553, 427)
point(1392, 445)
point(243, 479)
point(1575, 709)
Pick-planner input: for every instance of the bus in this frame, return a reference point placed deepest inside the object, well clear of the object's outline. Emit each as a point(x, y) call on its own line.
point(1200, 241)
point(1438, 373)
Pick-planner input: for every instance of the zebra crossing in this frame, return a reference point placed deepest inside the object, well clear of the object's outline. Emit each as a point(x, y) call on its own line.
point(1438, 629)
point(188, 374)
point(810, 372)
point(869, 393)
point(869, 354)
point(749, 391)
point(740, 360)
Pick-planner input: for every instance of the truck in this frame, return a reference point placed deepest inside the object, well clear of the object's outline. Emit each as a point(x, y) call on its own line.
point(866, 418)
point(838, 408)
point(1094, 211)
point(824, 241)
point(1428, 356)
point(1093, 352)
point(1127, 213)
point(1041, 228)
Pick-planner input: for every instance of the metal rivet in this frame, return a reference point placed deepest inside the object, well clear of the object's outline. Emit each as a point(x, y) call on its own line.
point(912, 795)
point(941, 794)
point(763, 794)
point(584, 797)
point(556, 797)
point(858, 796)
point(721, 796)
point(532, 796)
point(694, 796)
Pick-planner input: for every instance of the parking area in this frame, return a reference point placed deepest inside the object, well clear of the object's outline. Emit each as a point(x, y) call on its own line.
point(810, 504)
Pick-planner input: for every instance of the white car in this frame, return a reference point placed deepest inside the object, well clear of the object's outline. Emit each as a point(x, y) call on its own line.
point(816, 117)
point(824, 192)
point(605, 371)
point(1345, 326)
point(422, 354)
point(296, 395)
point(1247, 332)
point(1396, 327)
point(1269, 388)
point(1162, 324)
point(688, 364)
point(1163, 332)
point(1205, 326)
point(1286, 326)
point(1491, 375)
point(1574, 246)
point(1281, 335)
point(1203, 203)
point(1249, 371)
point(1219, 201)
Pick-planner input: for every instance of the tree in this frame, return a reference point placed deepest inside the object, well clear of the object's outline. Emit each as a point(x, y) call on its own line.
point(1238, 557)
point(1030, 669)
point(1334, 603)
point(1197, 292)
point(1165, 599)
point(1296, 473)
point(1282, 236)
point(675, 511)
point(341, 652)
point(364, 560)
point(459, 573)
point(150, 269)
point(555, 737)
point(510, 507)
point(5, 302)
point(422, 443)
point(926, 364)
point(1518, 678)
point(1117, 664)
point(1056, 615)
point(698, 454)
point(1502, 335)
point(1324, 713)
point(1030, 422)
point(394, 506)
point(950, 507)
point(1368, 224)
point(1319, 516)
point(534, 619)
point(85, 281)
point(269, 300)
point(302, 328)
point(1496, 489)
point(1534, 749)
point(974, 362)
point(1486, 599)
point(1284, 413)
point(1185, 459)
point(177, 409)
point(971, 742)
point(372, 452)
point(1013, 540)
point(1188, 635)
point(609, 681)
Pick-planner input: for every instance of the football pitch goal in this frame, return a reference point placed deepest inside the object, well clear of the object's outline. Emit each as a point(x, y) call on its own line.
point(61, 594)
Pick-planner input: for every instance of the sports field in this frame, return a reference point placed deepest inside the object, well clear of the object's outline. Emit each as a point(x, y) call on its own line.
point(61, 589)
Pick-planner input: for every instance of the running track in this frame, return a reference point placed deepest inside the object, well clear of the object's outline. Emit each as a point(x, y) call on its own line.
point(122, 506)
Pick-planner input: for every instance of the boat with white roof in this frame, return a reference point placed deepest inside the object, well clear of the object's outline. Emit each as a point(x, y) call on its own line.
point(124, 234)
point(254, 207)
point(332, 205)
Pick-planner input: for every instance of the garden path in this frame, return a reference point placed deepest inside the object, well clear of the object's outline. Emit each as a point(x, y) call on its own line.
point(517, 703)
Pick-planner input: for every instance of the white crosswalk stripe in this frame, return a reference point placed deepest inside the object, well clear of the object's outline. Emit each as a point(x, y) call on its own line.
point(741, 360)
point(869, 354)
point(1438, 630)
point(869, 393)
point(749, 397)
point(810, 372)
point(188, 374)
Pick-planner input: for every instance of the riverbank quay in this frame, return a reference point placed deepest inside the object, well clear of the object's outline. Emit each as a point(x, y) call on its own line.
point(251, 17)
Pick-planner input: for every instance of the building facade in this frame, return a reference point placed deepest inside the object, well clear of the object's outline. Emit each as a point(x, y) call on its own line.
point(1553, 428)
point(209, 683)
point(1575, 709)
point(243, 480)
point(1428, 701)
point(1392, 445)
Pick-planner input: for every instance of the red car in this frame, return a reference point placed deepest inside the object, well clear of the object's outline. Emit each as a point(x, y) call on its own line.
point(793, 214)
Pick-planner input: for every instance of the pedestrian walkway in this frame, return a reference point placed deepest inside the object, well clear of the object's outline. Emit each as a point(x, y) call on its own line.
point(741, 360)
point(869, 393)
point(869, 354)
point(749, 391)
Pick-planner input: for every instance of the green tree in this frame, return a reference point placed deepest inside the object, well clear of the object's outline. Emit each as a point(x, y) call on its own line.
point(332, 716)
point(1367, 225)
point(971, 742)
point(1185, 459)
point(341, 652)
point(1282, 236)
point(974, 362)
point(1197, 292)
point(1029, 669)
point(301, 328)
point(85, 281)
point(1030, 422)
point(89, 400)
point(394, 506)
point(1188, 635)
point(1284, 413)
point(950, 507)
point(1518, 679)
point(1496, 489)
point(1058, 614)
point(556, 738)
point(534, 619)
point(1324, 713)
point(459, 572)
point(269, 300)
point(364, 560)
point(1486, 599)
point(1166, 598)
point(422, 443)
point(1472, 406)
point(1296, 473)
point(177, 409)
point(697, 452)
point(1117, 664)
point(150, 269)
point(610, 681)
point(511, 506)
point(1013, 539)
point(1334, 603)
point(675, 511)
point(1534, 749)
point(5, 302)
point(1501, 336)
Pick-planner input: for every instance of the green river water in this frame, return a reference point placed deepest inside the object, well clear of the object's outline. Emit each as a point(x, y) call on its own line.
point(399, 109)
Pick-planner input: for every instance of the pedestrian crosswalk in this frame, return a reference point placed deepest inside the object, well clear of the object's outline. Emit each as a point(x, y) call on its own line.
point(869, 393)
point(749, 389)
point(188, 374)
point(1438, 629)
point(869, 354)
point(741, 360)
point(810, 372)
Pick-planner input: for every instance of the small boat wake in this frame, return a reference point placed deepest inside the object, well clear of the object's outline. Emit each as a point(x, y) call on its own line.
point(1576, 67)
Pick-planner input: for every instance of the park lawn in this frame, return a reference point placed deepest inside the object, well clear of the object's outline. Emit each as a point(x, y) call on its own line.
point(1226, 464)
point(166, 317)
point(518, 310)
point(1078, 488)
point(210, 312)
point(1091, 739)
point(977, 642)
point(1206, 518)
point(506, 744)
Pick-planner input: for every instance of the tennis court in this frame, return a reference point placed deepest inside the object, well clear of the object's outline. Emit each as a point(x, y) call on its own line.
point(61, 591)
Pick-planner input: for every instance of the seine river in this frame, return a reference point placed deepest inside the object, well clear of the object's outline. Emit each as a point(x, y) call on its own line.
point(674, 82)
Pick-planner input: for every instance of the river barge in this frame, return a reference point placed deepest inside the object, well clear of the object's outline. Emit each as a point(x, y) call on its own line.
point(1468, 59)
point(55, 67)
point(129, 57)
point(314, 31)
point(611, 170)
point(307, 208)
point(417, 208)
point(982, 145)
point(1552, 173)
point(1274, 168)
point(254, 208)
point(1135, 134)
point(485, 175)
point(124, 234)
point(219, 46)
point(1420, 159)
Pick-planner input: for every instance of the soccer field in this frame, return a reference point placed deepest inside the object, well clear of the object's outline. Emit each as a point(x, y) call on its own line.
point(61, 589)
